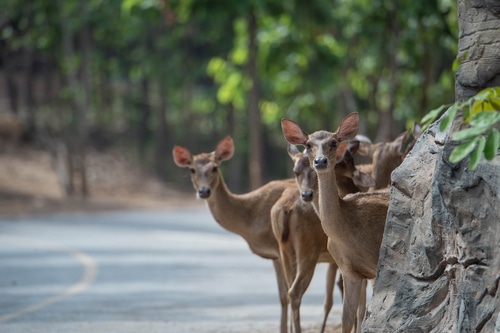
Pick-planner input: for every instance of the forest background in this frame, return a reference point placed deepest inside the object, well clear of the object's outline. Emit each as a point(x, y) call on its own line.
point(139, 76)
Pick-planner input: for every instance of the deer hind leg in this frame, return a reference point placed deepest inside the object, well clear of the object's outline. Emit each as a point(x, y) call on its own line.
point(361, 306)
point(305, 272)
point(330, 284)
point(282, 289)
point(352, 290)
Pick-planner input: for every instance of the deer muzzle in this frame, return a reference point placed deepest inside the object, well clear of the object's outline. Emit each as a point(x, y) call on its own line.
point(204, 192)
point(320, 163)
point(307, 196)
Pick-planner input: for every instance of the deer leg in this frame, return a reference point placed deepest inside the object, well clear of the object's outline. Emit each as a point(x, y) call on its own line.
point(305, 272)
point(352, 290)
point(361, 307)
point(282, 289)
point(331, 273)
point(288, 260)
point(340, 284)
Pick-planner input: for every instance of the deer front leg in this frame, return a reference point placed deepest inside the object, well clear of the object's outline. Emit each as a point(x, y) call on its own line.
point(331, 274)
point(352, 290)
point(283, 294)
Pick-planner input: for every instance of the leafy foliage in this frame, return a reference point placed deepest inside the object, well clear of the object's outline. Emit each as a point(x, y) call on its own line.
point(481, 113)
point(185, 61)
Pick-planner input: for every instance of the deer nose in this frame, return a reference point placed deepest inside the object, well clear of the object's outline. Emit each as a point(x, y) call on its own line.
point(307, 195)
point(204, 192)
point(320, 162)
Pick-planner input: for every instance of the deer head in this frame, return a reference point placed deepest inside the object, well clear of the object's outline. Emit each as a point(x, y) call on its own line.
point(305, 176)
point(204, 167)
point(324, 149)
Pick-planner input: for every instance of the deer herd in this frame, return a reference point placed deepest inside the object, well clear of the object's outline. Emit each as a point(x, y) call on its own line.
point(333, 212)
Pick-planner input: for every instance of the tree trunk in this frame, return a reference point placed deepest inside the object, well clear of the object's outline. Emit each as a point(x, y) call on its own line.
point(143, 130)
point(84, 107)
point(27, 95)
point(9, 66)
point(162, 143)
point(440, 256)
point(234, 179)
point(254, 118)
point(386, 117)
point(80, 103)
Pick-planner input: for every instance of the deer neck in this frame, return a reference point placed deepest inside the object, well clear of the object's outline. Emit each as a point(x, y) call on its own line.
point(228, 209)
point(315, 202)
point(329, 200)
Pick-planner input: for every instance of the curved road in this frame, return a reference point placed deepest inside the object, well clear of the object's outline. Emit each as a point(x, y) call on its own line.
point(169, 271)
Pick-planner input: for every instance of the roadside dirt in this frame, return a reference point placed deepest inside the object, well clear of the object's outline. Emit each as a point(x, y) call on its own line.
point(29, 185)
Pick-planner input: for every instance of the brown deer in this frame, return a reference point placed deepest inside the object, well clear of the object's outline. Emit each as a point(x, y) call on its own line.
point(386, 156)
point(299, 233)
point(247, 215)
point(354, 224)
point(302, 244)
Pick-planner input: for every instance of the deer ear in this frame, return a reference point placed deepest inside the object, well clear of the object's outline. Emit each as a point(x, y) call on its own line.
point(341, 150)
point(365, 145)
point(293, 133)
point(292, 150)
point(225, 149)
point(353, 146)
point(362, 179)
point(182, 156)
point(348, 127)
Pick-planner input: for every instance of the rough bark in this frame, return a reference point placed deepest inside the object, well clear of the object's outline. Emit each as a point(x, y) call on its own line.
point(439, 266)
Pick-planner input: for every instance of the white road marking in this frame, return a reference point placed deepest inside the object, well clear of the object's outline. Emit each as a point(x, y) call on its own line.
point(89, 274)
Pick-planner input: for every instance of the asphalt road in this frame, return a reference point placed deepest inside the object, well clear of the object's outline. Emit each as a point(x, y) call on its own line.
point(171, 271)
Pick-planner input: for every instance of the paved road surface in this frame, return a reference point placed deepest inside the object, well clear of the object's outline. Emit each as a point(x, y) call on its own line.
point(171, 271)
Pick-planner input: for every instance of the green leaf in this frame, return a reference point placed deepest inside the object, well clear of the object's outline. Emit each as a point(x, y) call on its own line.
point(486, 100)
point(483, 95)
point(448, 119)
point(485, 118)
point(469, 133)
point(433, 114)
point(463, 150)
point(475, 157)
point(492, 145)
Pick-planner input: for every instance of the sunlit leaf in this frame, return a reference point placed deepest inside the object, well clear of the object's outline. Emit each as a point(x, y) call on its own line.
point(432, 115)
point(483, 95)
point(463, 150)
point(486, 100)
point(475, 157)
point(485, 118)
point(448, 119)
point(239, 55)
point(469, 133)
point(492, 144)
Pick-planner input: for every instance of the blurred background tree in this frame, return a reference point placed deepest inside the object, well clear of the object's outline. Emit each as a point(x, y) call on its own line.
point(142, 75)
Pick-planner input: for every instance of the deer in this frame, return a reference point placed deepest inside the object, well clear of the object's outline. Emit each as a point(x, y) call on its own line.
point(300, 236)
point(247, 215)
point(355, 223)
point(386, 156)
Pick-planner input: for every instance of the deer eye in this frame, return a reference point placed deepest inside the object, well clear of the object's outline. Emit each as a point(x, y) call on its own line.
point(333, 144)
point(192, 170)
point(214, 169)
point(308, 145)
